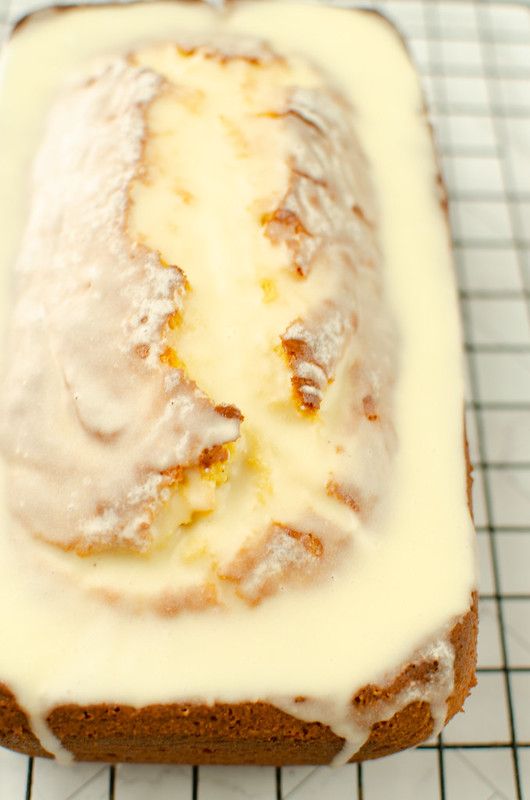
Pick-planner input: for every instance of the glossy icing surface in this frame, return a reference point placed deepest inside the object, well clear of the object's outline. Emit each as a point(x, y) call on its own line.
point(243, 297)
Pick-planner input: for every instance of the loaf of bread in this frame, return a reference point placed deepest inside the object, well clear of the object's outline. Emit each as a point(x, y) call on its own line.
point(236, 521)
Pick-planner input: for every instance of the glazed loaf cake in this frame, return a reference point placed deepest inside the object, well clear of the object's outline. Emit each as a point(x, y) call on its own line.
point(235, 488)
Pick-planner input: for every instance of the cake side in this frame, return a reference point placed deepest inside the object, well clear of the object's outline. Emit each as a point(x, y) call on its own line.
point(242, 733)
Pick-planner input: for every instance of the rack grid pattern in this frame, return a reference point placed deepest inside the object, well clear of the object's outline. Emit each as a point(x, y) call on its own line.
point(474, 58)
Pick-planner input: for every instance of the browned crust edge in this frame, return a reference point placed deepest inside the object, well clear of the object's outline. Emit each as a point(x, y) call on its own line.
point(240, 733)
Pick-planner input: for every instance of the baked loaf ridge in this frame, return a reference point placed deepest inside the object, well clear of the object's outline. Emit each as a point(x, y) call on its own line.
point(213, 309)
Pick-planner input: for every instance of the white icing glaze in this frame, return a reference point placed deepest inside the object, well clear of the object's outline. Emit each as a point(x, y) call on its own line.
point(107, 424)
point(41, 729)
point(354, 724)
point(423, 552)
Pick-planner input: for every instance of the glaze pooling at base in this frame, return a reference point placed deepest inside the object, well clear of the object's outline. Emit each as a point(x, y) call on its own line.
point(422, 554)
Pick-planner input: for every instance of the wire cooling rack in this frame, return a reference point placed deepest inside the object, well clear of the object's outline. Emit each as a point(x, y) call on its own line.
point(474, 59)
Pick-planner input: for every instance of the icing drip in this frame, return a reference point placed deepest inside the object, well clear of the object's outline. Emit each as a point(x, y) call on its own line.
point(48, 740)
point(352, 719)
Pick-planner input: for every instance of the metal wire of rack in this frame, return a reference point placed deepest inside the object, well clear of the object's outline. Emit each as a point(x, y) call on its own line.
point(474, 59)
point(511, 196)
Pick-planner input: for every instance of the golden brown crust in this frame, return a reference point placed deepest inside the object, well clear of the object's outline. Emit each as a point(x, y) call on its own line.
point(15, 731)
point(302, 561)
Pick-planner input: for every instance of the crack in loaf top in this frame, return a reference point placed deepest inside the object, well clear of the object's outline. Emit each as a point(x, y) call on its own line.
point(118, 399)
